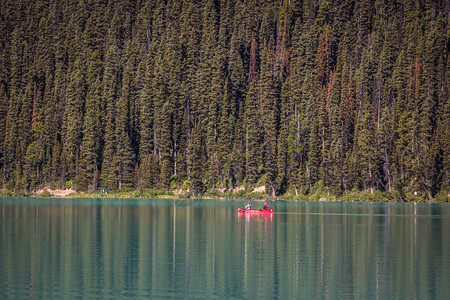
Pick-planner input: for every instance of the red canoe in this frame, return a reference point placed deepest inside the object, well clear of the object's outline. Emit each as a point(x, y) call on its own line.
point(255, 211)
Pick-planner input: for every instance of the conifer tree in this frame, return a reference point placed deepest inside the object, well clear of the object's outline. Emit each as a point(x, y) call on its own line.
point(196, 163)
point(73, 119)
point(313, 155)
point(124, 157)
point(252, 135)
point(111, 83)
point(211, 82)
point(3, 114)
point(335, 123)
point(386, 143)
point(236, 73)
point(146, 117)
point(239, 153)
point(16, 87)
point(90, 158)
point(269, 114)
point(402, 156)
point(283, 138)
point(226, 128)
point(35, 156)
point(367, 148)
point(349, 111)
point(444, 138)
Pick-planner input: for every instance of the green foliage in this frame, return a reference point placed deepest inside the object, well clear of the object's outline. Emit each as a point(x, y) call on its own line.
point(187, 184)
point(185, 195)
point(156, 193)
point(212, 193)
point(21, 192)
point(9, 185)
point(68, 184)
point(377, 196)
point(442, 197)
point(173, 182)
point(5, 193)
point(308, 98)
point(46, 194)
point(243, 194)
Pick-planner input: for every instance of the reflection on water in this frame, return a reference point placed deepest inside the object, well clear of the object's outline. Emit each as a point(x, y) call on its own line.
point(67, 248)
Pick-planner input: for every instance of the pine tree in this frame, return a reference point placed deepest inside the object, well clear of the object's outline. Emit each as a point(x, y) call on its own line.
point(196, 163)
point(386, 143)
point(349, 110)
point(444, 140)
point(111, 83)
point(427, 98)
point(236, 72)
point(252, 135)
point(35, 156)
point(239, 153)
point(3, 115)
point(73, 119)
point(146, 115)
point(336, 128)
point(269, 114)
point(211, 81)
point(226, 136)
point(16, 87)
point(367, 148)
point(293, 113)
point(402, 157)
point(283, 138)
point(91, 146)
point(313, 163)
point(364, 12)
point(123, 159)
point(147, 172)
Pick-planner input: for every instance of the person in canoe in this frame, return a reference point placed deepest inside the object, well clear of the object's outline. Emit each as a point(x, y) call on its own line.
point(265, 206)
point(249, 206)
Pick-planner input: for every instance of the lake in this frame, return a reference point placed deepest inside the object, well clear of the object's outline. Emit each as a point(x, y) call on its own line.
point(202, 249)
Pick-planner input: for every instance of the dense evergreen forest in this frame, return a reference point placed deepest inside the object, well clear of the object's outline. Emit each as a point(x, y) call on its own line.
point(348, 95)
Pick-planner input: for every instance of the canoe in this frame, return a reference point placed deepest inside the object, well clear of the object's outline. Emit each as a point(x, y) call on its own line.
point(254, 211)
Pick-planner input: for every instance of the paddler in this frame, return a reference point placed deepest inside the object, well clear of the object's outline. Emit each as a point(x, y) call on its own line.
point(265, 206)
point(249, 206)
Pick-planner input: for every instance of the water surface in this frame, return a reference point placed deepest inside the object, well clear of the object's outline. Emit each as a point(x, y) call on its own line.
point(202, 249)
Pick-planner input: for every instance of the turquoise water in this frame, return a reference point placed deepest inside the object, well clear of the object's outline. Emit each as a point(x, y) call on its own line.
point(202, 249)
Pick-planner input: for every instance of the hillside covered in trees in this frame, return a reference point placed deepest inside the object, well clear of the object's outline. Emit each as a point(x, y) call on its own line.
point(349, 95)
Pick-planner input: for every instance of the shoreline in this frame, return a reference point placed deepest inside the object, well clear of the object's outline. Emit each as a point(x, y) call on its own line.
point(238, 195)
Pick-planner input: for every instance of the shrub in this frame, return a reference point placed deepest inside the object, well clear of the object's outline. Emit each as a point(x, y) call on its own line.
point(442, 197)
point(213, 193)
point(185, 195)
point(242, 194)
point(173, 185)
point(173, 182)
point(5, 193)
point(69, 184)
point(45, 194)
point(9, 185)
point(186, 185)
point(356, 195)
point(156, 193)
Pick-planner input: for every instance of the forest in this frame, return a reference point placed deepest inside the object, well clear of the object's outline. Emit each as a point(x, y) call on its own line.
point(342, 95)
